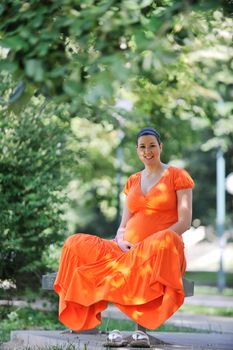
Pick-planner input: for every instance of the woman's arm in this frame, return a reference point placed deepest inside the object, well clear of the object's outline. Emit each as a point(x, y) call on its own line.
point(126, 215)
point(124, 245)
point(184, 209)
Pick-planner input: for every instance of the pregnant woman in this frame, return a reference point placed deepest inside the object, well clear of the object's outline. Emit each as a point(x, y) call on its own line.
point(141, 270)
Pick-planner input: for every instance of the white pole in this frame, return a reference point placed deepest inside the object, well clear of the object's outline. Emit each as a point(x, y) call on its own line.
point(220, 220)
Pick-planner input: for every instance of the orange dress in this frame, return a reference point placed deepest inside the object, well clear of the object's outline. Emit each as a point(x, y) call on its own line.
point(145, 282)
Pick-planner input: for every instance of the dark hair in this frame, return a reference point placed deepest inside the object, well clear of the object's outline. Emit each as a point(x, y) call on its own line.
point(149, 131)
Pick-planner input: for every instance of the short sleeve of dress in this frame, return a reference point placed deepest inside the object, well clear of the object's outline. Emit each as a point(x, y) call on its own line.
point(127, 185)
point(182, 180)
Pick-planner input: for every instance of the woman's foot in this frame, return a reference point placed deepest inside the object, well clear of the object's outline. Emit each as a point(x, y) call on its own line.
point(115, 339)
point(140, 340)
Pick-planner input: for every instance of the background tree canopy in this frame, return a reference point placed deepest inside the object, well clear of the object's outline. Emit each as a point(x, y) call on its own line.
point(78, 79)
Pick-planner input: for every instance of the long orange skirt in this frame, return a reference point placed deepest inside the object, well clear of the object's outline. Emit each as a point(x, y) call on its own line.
point(145, 283)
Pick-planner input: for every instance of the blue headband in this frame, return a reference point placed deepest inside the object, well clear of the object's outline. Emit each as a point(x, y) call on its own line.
point(149, 131)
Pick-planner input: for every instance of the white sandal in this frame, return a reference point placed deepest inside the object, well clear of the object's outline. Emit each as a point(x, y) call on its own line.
point(115, 339)
point(140, 339)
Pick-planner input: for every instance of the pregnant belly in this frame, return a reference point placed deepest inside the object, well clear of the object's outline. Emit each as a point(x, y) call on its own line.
point(138, 228)
point(141, 226)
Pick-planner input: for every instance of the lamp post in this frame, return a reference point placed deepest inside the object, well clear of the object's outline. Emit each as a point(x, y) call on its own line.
point(220, 219)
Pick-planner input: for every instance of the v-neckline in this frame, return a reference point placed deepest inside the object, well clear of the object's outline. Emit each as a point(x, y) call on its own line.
point(155, 184)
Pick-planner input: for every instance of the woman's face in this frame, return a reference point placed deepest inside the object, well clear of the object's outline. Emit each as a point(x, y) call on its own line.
point(148, 149)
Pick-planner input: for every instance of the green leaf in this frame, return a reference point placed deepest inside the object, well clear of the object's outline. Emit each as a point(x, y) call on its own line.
point(101, 89)
point(6, 65)
point(72, 87)
point(16, 43)
point(22, 98)
point(2, 8)
point(145, 3)
point(34, 69)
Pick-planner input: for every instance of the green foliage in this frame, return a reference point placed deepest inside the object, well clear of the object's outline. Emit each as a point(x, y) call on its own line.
point(202, 166)
point(32, 154)
point(12, 318)
point(207, 278)
point(84, 52)
point(93, 191)
point(174, 59)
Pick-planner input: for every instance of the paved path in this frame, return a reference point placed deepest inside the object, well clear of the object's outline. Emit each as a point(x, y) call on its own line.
point(210, 300)
point(185, 341)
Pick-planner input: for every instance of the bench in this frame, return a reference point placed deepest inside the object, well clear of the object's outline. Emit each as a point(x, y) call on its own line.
point(48, 281)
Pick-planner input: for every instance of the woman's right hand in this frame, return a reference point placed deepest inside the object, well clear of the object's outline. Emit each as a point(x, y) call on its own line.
point(125, 246)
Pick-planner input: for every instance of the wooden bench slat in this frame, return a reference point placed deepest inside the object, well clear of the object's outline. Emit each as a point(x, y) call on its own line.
point(48, 280)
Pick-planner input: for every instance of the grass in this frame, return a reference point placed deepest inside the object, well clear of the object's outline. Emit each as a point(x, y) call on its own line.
point(12, 318)
point(127, 325)
point(207, 310)
point(212, 291)
point(208, 278)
